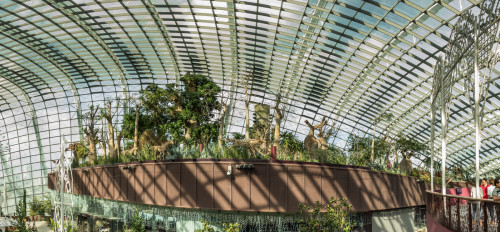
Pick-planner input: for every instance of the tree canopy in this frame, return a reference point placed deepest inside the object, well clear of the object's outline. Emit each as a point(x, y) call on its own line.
point(185, 113)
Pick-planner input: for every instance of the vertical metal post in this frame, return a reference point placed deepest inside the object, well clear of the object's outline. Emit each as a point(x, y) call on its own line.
point(476, 103)
point(444, 128)
point(433, 122)
point(459, 228)
point(60, 219)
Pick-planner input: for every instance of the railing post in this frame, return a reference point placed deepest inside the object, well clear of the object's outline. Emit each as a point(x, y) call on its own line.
point(449, 212)
point(470, 215)
point(458, 215)
point(498, 217)
point(485, 216)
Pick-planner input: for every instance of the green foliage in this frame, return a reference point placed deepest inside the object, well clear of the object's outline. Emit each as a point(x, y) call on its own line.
point(336, 217)
point(290, 143)
point(21, 214)
point(137, 223)
point(237, 135)
point(189, 109)
point(207, 227)
point(207, 132)
point(225, 227)
point(128, 145)
point(128, 126)
point(229, 227)
point(36, 207)
point(359, 149)
point(409, 147)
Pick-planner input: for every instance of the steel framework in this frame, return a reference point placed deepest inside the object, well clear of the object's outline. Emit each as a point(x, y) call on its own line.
point(350, 61)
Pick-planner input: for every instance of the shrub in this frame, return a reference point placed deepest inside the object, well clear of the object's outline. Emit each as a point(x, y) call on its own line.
point(137, 223)
point(336, 218)
point(225, 227)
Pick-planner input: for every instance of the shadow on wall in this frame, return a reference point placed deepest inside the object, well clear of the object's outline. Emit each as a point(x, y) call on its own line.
point(268, 187)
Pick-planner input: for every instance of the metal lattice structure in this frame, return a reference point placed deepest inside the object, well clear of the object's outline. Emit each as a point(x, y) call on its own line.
point(472, 57)
point(63, 202)
point(348, 60)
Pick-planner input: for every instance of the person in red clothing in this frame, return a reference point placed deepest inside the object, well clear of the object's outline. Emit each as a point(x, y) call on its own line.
point(484, 185)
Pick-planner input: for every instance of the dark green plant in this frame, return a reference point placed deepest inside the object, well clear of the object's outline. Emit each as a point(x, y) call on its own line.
point(408, 148)
point(184, 112)
point(225, 227)
point(359, 149)
point(336, 218)
point(237, 135)
point(207, 227)
point(137, 223)
point(145, 122)
point(291, 144)
point(21, 214)
point(37, 207)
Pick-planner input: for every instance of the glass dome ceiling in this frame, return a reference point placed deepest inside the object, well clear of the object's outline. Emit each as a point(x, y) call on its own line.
point(348, 60)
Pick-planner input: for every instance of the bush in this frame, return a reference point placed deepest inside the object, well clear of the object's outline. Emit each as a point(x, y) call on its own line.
point(336, 218)
point(137, 224)
point(225, 227)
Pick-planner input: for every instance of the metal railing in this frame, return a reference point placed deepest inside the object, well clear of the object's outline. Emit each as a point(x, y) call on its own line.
point(459, 213)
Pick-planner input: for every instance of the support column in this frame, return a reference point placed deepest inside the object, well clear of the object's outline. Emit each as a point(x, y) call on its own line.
point(433, 123)
point(444, 128)
point(476, 103)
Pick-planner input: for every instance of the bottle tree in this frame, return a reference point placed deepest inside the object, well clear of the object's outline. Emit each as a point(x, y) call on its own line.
point(91, 132)
point(184, 113)
point(408, 148)
point(135, 122)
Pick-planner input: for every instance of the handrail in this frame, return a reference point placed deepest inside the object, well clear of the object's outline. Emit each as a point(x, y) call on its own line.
point(464, 198)
point(460, 213)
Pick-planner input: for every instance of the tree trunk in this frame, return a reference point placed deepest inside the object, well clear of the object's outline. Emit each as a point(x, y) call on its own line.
point(277, 132)
point(221, 125)
point(102, 142)
point(92, 151)
point(92, 134)
point(117, 144)
point(247, 113)
point(136, 130)
point(372, 157)
point(187, 133)
point(111, 141)
point(277, 127)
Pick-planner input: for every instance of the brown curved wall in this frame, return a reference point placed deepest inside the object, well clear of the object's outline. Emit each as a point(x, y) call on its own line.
point(269, 187)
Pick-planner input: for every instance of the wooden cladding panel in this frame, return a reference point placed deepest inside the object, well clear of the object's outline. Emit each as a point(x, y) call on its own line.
point(259, 188)
point(222, 187)
point(205, 186)
point(268, 187)
point(173, 184)
point(160, 183)
point(148, 190)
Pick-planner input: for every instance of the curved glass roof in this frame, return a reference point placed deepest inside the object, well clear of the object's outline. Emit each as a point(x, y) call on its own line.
point(348, 60)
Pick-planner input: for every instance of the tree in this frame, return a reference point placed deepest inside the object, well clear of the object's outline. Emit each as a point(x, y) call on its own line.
point(186, 113)
point(135, 123)
point(279, 116)
point(408, 148)
point(137, 224)
point(221, 124)
point(79, 151)
point(311, 142)
point(108, 114)
point(383, 117)
point(21, 214)
point(246, 81)
point(290, 144)
point(91, 133)
point(336, 218)
point(359, 149)
point(102, 141)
